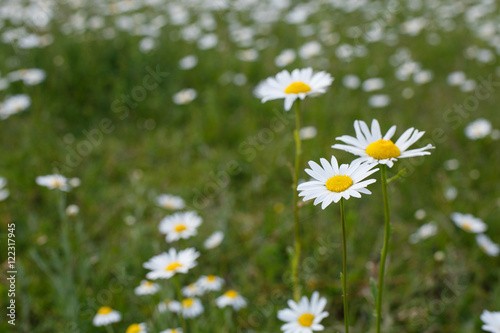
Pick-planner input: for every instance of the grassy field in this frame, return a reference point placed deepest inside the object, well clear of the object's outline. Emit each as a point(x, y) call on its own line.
point(105, 114)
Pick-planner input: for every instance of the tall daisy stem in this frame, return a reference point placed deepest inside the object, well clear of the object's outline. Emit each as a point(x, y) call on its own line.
point(344, 268)
point(387, 236)
point(298, 153)
point(179, 296)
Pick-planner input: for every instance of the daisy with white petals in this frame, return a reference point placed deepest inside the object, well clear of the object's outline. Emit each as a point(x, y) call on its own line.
point(172, 330)
point(231, 298)
point(147, 288)
point(331, 182)
point(304, 316)
point(189, 307)
point(210, 283)
point(105, 316)
point(58, 182)
point(290, 86)
point(469, 223)
point(169, 201)
point(372, 147)
point(167, 264)
point(180, 226)
point(214, 240)
point(491, 321)
point(487, 246)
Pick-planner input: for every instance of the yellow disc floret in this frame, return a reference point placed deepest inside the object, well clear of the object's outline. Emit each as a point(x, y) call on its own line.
point(231, 294)
point(134, 328)
point(173, 266)
point(306, 320)
point(180, 227)
point(338, 183)
point(383, 149)
point(187, 303)
point(297, 88)
point(104, 310)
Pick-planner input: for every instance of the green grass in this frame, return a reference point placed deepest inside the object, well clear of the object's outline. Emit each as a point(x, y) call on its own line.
point(163, 148)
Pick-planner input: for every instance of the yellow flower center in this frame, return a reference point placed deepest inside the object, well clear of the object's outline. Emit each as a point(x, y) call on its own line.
point(338, 183)
point(187, 303)
point(173, 266)
point(466, 226)
point(148, 283)
point(180, 227)
point(297, 88)
point(231, 293)
point(211, 278)
point(383, 149)
point(104, 310)
point(134, 328)
point(306, 320)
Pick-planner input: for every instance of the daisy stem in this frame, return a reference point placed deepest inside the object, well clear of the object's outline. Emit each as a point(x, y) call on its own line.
point(344, 268)
point(298, 153)
point(179, 296)
point(387, 236)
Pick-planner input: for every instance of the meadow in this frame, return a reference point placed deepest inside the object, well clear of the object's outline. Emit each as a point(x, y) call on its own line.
point(90, 90)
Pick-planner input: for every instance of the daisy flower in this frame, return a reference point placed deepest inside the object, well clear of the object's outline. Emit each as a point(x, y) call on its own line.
point(192, 290)
point(180, 225)
point(491, 321)
point(184, 96)
point(53, 182)
point(214, 240)
point(231, 298)
point(304, 316)
point(332, 182)
point(172, 330)
point(425, 231)
point(290, 86)
point(105, 316)
point(137, 328)
point(469, 223)
point(167, 264)
point(487, 246)
point(147, 288)
point(190, 307)
point(372, 147)
point(171, 202)
point(210, 283)
point(169, 305)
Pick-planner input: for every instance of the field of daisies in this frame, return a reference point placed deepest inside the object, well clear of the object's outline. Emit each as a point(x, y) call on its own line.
point(250, 166)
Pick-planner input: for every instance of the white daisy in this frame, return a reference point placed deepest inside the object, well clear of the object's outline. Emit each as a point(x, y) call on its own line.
point(190, 307)
point(14, 104)
point(425, 231)
point(72, 210)
point(167, 264)
point(172, 330)
point(469, 223)
point(53, 182)
point(214, 240)
point(308, 132)
point(192, 290)
point(137, 328)
point(332, 182)
point(184, 96)
point(478, 129)
point(210, 283)
point(487, 246)
point(171, 202)
point(105, 316)
point(305, 316)
point(147, 288)
point(290, 86)
point(372, 147)
point(491, 321)
point(169, 305)
point(231, 298)
point(180, 225)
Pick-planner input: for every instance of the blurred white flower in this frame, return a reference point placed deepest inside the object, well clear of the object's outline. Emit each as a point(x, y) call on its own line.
point(213, 240)
point(147, 44)
point(170, 201)
point(105, 316)
point(478, 129)
point(286, 57)
point(231, 298)
point(72, 210)
point(310, 50)
point(372, 84)
point(487, 246)
point(53, 182)
point(14, 104)
point(188, 62)
point(379, 101)
point(491, 321)
point(351, 81)
point(208, 41)
point(184, 96)
point(456, 78)
point(308, 132)
point(469, 223)
point(147, 288)
point(425, 231)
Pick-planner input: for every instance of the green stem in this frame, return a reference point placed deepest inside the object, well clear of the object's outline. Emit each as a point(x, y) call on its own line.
point(387, 236)
point(296, 258)
point(344, 268)
point(109, 329)
point(179, 296)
